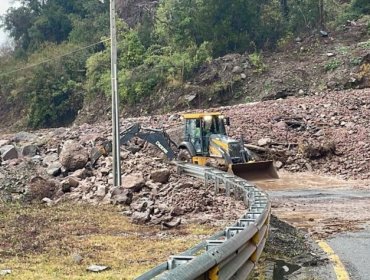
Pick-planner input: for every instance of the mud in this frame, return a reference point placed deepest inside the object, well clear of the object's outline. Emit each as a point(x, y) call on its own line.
point(320, 205)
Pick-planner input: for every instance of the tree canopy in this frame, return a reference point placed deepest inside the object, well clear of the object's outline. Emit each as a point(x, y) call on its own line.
point(163, 49)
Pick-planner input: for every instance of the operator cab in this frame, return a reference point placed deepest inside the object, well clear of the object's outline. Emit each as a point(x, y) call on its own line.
point(199, 127)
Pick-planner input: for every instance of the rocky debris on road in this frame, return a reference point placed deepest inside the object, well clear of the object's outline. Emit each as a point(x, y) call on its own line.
point(327, 133)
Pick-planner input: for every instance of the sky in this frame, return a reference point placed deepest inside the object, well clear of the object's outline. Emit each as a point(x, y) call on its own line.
point(4, 5)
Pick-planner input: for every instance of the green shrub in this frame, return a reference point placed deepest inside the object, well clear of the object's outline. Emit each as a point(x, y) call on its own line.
point(256, 60)
point(332, 64)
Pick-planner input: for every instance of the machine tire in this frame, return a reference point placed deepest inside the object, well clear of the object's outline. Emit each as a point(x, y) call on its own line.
point(184, 155)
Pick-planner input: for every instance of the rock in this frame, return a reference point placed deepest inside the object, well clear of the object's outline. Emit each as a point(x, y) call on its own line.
point(324, 33)
point(134, 148)
point(77, 258)
point(243, 76)
point(5, 272)
point(184, 185)
point(177, 211)
point(278, 164)
point(101, 191)
point(47, 201)
point(172, 225)
point(24, 137)
point(8, 152)
point(121, 196)
point(264, 142)
point(281, 125)
point(4, 142)
point(140, 217)
point(160, 176)
point(37, 159)
point(30, 150)
point(237, 70)
point(301, 92)
point(135, 182)
point(80, 173)
point(66, 187)
point(73, 182)
point(97, 268)
point(49, 159)
point(142, 205)
point(190, 97)
point(54, 169)
point(73, 156)
point(173, 118)
point(39, 188)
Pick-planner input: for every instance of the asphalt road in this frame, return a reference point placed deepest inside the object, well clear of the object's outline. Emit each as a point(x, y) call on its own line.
point(354, 251)
point(332, 210)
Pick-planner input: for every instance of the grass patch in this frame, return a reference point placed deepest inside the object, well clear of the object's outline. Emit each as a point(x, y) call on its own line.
point(37, 242)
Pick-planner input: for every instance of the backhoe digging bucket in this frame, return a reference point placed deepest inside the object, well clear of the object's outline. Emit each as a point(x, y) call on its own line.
point(254, 171)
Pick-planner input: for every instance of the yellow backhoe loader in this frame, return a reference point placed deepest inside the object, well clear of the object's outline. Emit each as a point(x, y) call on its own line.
point(204, 141)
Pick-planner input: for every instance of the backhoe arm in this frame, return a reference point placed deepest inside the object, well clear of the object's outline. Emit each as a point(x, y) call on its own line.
point(157, 137)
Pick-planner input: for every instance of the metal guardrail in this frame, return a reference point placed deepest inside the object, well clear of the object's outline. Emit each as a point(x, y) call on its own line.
point(231, 253)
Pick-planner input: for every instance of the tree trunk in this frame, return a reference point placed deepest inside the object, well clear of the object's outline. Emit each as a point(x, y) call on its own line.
point(284, 8)
point(321, 14)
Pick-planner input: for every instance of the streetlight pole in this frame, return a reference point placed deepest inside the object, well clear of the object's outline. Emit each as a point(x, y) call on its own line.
point(115, 99)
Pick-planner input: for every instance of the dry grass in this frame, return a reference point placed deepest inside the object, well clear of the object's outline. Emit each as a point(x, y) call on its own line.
point(37, 242)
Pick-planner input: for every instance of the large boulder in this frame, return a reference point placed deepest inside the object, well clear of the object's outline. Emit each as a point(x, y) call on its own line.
point(39, 188)
point(134, 182)
point(73, 156)
point(8, 152)
point(160, 176)
point(30, 150)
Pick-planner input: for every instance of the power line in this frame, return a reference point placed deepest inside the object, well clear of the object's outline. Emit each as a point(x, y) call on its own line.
point(53, 58)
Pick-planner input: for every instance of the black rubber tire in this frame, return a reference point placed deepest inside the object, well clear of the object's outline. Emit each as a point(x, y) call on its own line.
point(184, 155)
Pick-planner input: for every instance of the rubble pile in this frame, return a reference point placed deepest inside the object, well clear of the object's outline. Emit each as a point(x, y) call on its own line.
point(324, 133)
point(51, 166)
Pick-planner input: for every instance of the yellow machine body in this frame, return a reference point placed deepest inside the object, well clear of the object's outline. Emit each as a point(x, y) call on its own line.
point(207, 132)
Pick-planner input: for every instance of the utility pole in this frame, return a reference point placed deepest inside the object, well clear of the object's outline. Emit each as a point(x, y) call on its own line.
point(115, 99)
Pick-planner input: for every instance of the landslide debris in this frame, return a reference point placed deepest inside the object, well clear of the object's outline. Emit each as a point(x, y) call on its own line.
point(151, 193)
point(327, 133)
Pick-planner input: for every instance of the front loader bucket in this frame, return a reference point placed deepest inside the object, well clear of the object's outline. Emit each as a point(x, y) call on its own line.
point(254, 171)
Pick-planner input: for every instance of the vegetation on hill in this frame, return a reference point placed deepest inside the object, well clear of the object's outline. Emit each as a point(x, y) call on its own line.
point(59, 73)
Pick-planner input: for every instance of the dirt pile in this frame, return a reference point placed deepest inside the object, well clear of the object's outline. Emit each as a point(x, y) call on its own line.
point(54, 165)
